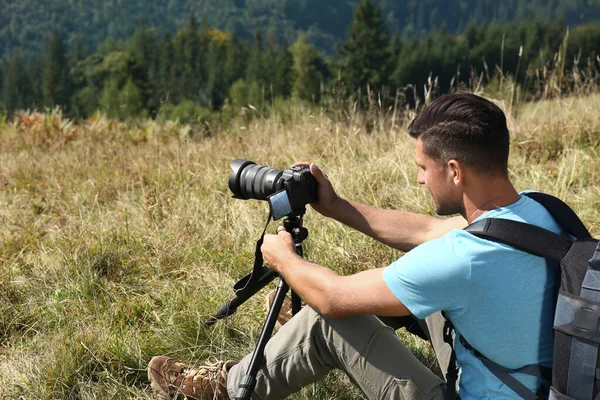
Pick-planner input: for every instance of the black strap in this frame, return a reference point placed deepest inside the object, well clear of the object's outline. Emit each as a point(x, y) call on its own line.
point(505, 376)
point(501, 372)
point(532, 369)
point(258, 269)
point(562, 213)
point(522, 236)
point(452, 372)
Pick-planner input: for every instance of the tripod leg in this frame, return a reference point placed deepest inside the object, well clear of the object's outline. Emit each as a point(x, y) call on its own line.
point(248, 382)
point(296, 303)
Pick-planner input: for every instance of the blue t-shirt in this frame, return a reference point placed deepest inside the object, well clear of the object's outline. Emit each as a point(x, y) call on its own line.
point(500, 299)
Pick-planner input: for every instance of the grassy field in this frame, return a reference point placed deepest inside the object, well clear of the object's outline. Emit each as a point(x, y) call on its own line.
point(117, 240)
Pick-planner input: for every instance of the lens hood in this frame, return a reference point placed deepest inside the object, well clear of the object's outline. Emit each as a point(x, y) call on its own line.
point(234, 182)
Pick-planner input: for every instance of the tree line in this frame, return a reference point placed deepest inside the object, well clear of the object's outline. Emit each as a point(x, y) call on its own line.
point(201, 72)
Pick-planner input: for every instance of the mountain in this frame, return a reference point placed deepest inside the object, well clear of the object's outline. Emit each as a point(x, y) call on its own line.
point(26, 24)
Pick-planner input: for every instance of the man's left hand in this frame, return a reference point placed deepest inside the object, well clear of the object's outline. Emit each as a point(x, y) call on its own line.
point(277, 248)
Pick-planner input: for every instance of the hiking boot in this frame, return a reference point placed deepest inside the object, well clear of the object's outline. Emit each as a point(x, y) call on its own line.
point(285, 314)
point(172, 379)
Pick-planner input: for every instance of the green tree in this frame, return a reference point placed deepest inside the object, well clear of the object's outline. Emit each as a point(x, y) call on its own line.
point(268, 62)
point(34, 74)
point(166, 73)
point(84, 102)
point(235, 60)
point(366, 57)
point(109, 99)
point(130, 101)
point(16, 87)
point(243, 94)
point(186, 48)
point(283, 78)
point(255, 70)
point(118, 66)
point(308, 70)
point(142, 45)
point(77, 52)
point(55, 81)
point(216, 86)
point(187, 67)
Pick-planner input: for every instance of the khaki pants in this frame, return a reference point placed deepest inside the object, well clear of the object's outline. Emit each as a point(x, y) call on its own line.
point(310, 345)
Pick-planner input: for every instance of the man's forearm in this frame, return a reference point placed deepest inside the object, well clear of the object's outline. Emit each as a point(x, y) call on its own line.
point(312, 282)
point(399, 229)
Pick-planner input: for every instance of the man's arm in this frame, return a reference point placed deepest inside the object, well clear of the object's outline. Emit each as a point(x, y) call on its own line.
point(399, 229)
point(330, 294)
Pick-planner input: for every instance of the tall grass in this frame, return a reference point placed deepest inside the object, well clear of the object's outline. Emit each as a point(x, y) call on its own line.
point(117, 240)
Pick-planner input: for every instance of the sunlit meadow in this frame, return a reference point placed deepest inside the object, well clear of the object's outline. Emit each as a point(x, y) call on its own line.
point(118, 239)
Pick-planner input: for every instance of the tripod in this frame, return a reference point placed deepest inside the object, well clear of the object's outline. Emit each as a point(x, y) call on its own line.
point(250, 285)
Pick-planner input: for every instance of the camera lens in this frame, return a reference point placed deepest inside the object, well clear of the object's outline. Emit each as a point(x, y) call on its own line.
point(252, 181)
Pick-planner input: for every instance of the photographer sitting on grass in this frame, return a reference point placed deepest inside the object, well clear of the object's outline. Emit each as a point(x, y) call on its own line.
point(499, 299)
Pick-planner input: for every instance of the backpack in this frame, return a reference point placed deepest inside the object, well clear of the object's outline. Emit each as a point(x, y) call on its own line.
point(576, 362)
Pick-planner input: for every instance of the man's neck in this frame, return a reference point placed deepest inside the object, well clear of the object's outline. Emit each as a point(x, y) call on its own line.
point(493, 194)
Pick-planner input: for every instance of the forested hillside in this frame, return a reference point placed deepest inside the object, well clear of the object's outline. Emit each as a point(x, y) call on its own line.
point(205, 75)
point(26, 24)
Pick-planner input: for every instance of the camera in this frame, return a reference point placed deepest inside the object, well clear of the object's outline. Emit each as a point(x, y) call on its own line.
point(287, 191)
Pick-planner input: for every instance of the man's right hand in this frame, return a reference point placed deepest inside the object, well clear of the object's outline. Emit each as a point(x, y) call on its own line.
point(398, 229)
point(328, 198)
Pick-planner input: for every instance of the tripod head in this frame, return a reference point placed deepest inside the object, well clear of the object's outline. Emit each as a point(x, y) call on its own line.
point(293, 224)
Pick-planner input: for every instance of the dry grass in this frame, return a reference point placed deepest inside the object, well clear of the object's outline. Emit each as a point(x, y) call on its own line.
point(119, 239)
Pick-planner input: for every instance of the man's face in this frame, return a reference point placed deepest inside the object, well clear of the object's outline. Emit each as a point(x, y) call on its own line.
point(438, 178)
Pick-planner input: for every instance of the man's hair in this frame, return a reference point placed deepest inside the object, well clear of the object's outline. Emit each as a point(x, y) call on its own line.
point(466, 128)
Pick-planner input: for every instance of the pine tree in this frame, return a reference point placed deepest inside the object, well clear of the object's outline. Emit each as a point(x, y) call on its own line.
point(55, 82)
point(187, 53)
point(109, 99)
point(77, 51)
point(130, 101)
point(84, 102)
point(35, 72)
point(269, 67)
point(308, 70)
point(216, 87)
point(16, 87)
point(366, 52)
point(242, 94)
point(255, 66)
point(166, 79)
point(283, 78)
point(75, 57)
point(235, 60)
point(142, 45)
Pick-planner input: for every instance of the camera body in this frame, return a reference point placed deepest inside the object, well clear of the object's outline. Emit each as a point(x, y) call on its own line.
point(288, 191)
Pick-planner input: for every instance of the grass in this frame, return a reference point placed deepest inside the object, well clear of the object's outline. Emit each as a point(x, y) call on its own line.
point(117, 240)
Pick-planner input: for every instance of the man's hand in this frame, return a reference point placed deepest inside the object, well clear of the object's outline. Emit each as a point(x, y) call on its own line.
point(330, 294)
point(328, 198)
point(401, 230)
point(277, 249)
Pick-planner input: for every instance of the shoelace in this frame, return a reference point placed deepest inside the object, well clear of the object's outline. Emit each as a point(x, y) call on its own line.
point(210, 371)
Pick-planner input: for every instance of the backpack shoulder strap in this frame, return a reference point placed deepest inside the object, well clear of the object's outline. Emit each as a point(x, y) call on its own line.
point(522, 236)
point(562, 213)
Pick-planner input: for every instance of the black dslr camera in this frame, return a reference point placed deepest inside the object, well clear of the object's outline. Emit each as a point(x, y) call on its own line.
point(288, 191)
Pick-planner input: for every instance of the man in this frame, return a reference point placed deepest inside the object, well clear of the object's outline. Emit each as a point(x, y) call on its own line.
point(498, 298)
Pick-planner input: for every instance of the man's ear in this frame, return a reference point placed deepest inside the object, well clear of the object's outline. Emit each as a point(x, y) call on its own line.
point(456, 170)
